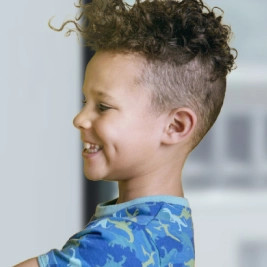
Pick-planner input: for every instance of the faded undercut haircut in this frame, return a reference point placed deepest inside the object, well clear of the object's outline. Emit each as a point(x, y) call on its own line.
point(184, 44)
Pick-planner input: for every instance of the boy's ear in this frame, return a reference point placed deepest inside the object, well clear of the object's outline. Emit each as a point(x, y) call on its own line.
point(180, 125)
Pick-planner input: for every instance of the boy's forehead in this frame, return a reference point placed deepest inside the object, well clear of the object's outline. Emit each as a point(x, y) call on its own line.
point(116, 78)
point(118, 60)
point(114, 68)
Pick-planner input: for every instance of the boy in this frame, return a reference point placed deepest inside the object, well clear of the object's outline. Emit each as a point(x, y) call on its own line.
point(152, 90)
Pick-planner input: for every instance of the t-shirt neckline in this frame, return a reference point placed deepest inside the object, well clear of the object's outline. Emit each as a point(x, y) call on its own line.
point(110, 207)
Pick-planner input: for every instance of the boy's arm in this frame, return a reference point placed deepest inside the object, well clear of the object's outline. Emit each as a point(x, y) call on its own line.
point(28, 263)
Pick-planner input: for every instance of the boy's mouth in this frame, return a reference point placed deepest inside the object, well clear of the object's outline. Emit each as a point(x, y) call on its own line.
point(91, 148)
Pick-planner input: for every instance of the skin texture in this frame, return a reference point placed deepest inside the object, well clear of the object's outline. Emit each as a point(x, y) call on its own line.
point(143, 150)
point(29, 263)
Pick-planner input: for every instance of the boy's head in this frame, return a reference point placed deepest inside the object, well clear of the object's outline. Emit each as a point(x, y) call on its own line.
point(184, 46)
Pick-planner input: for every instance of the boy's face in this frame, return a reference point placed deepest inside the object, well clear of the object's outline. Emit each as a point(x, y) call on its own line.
point(120, 132)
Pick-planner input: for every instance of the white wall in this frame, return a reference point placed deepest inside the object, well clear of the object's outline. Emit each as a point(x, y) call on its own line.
point(40, 196)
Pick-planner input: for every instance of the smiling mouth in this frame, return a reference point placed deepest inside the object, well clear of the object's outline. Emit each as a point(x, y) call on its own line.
point(91, 148)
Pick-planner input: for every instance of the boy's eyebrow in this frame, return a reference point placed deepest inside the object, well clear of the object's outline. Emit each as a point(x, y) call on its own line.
point(102, 94)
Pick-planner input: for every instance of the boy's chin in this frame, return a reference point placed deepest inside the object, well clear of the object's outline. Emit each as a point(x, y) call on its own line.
point(95, 177)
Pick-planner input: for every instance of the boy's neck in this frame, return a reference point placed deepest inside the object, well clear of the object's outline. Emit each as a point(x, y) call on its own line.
point(150, 186)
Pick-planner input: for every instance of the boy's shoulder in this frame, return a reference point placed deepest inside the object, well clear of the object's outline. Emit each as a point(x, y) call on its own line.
point(159, 223)
point(154, 230)
point(148, 226)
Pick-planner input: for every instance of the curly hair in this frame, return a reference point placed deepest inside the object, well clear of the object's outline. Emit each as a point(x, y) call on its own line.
point(184, 43)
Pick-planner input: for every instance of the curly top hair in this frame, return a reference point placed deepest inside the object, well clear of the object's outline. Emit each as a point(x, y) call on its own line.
point(184, 43)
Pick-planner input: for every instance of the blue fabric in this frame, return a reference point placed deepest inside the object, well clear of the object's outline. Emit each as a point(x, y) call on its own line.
point(149, 231)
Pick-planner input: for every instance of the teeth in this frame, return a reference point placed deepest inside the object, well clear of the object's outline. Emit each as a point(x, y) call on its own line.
point(91, 148)
point(86, 145)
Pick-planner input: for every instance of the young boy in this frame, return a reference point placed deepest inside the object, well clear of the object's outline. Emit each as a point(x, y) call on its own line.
point(152, 90)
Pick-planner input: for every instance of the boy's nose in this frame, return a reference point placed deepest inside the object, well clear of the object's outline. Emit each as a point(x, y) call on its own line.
point(81, 121)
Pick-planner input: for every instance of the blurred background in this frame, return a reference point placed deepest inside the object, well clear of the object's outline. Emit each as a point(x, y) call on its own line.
point(44, 198)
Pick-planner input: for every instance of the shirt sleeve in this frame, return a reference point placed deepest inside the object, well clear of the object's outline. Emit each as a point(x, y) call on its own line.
point(115, 245)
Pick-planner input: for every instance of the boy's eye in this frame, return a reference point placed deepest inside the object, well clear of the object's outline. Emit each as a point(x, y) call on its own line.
point(101, 107)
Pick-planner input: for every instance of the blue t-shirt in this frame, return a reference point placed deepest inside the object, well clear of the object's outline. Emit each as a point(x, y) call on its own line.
point(148, 231)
